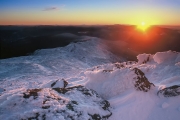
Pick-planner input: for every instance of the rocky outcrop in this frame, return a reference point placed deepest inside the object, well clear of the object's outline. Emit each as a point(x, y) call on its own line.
point(72, 103)
point(170, 91)
point(141, 82)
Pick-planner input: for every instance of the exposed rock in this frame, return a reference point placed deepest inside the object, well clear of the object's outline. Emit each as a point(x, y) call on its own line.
point(170, 91)
point(145, 61)
point(55, 84)
point(107, 71)
point(124, 64)
point(141, 82)
point(73, 103)
point(32, 92)
point(119, 65)
point(65, 83)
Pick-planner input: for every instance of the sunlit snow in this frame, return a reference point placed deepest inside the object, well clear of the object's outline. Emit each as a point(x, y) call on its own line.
point(90, 64)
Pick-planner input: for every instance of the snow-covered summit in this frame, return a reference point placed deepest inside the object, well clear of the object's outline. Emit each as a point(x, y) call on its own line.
point(92, 82)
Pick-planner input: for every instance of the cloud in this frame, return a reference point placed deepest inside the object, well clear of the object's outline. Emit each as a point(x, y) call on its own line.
point(52, 8)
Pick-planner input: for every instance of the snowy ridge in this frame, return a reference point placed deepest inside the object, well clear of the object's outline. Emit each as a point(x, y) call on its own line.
point(92, 86)
point(53, 64)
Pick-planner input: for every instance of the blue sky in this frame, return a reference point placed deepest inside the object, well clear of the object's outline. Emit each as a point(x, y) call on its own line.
point(89, 10)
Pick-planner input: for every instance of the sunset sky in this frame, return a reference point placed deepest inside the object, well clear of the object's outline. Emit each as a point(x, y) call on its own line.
point(89, 12)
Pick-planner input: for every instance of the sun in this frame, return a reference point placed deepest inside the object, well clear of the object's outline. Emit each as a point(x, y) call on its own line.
point(143, 26)
point(143, 23)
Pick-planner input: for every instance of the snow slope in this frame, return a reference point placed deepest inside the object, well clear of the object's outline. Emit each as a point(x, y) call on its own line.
point(115, 82)
point(52, 64)
point(145, 90)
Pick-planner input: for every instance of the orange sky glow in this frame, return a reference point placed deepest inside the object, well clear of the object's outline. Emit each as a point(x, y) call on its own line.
point(91, 13)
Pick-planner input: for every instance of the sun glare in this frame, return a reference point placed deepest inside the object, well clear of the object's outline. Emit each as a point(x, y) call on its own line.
point(143, 26)
point(143, 23)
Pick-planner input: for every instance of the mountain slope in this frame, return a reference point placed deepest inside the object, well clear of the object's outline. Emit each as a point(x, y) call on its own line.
point(85, 72)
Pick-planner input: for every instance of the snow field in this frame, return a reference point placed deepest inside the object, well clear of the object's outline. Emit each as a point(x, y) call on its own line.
point(130, 87)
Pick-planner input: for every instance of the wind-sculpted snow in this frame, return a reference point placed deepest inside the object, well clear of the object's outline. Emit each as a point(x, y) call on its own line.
point(144, 58)
point(89, 79)
point(135, 89)
point(168, 57)
point(112, 80)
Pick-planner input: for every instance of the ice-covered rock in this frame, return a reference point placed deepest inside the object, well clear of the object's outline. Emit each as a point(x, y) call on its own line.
point(170, 91)
point(55, 84)
point(141, 82)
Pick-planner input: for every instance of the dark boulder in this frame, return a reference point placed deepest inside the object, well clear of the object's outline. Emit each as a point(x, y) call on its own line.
point(170, 91)
point(141, 82)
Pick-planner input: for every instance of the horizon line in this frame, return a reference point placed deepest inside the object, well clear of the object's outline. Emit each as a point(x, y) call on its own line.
point(82, 24)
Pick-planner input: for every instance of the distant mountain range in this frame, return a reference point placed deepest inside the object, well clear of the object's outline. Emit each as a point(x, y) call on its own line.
point(123, 40)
